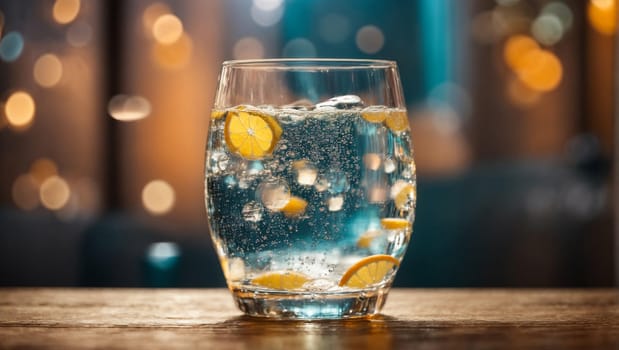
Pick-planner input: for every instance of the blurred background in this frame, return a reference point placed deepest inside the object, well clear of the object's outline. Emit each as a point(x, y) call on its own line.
point(104, 108)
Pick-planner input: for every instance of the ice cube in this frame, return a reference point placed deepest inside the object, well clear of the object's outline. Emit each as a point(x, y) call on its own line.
point(219, 162)
point(274, 194)
point(252, 211)
point(306, 172)
point(236, 269)
point(389, 165)
point(341, 102)
point(335, 203)
point(321, 185)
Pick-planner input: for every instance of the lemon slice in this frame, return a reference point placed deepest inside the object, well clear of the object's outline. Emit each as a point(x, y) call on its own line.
point(369, 271)
point(217, 114)
point(295, 207)
point(394, 223)
point(397, 121)
point(282, 280)
point(251, 134)
point(374, 116)
point(367, 238)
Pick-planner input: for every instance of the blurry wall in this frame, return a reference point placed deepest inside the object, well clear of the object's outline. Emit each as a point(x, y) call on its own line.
point(104, 107)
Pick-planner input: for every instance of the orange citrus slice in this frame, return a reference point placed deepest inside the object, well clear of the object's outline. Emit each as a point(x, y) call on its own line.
point(283, 280)
point(295, 206)
point(394, 223)
point(405, 197)
point(397, 121)
point(251, 134)
point(367, 238)
point(369, 271)
point(374, 116)
point(217, 114)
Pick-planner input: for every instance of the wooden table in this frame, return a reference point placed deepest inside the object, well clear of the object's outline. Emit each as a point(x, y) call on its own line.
point(420, 319)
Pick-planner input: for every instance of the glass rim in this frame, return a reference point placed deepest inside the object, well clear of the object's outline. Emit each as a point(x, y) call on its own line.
point(308, 63)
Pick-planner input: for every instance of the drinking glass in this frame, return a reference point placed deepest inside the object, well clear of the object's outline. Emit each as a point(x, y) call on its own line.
point(310, 185)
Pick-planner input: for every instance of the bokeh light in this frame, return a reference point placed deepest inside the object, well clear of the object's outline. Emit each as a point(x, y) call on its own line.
point(561, 11)
point(54, 193)
point(602, 16)
point(158, 197)
point(151, 14)
point(521, 95)
point(128, 108)
point(266, 18)
point(65, 11)
point(25, 192)
point(370, 39)
point(19, 110)
point(175, 55)
point(547, 29)
point(11, 46)
point(42, 169)
point(334, 28)
point(248, 47)
point(47, 70)
point(299, 47)
point(167, 29)
point(516, 48)
point(541, 70)
point(79, 34)
point(268, 5)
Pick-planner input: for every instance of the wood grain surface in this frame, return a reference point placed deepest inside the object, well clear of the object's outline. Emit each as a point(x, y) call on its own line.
point(207, 318)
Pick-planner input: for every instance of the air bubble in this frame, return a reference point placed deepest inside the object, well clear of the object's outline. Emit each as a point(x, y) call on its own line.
point(335, 203)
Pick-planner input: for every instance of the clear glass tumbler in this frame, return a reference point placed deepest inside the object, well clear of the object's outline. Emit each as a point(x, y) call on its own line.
point(310, 185)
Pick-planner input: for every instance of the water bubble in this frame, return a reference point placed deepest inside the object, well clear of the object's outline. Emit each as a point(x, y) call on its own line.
point(335, 203)
point(389, 165)
point(306, 172)
point(320, 284)
point(337, 181)
point(274, 194)
point(252, 211)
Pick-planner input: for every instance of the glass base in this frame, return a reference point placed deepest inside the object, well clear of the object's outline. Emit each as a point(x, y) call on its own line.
point(310, 306)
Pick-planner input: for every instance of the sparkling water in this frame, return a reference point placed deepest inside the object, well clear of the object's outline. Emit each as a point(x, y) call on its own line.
point(315, 204)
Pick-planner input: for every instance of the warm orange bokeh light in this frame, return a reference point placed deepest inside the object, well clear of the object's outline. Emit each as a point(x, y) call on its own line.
point(54, 193)
point(151, 14)
point(520, 94)
point(19, 109)
point(602, 16)
point(47, 70)
point(43, 168)
point(66, 11)
point(175, 55)
point(158, 197)
point(25, 192)
point(541, 70)
point(167, 29)
point(516, 48)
